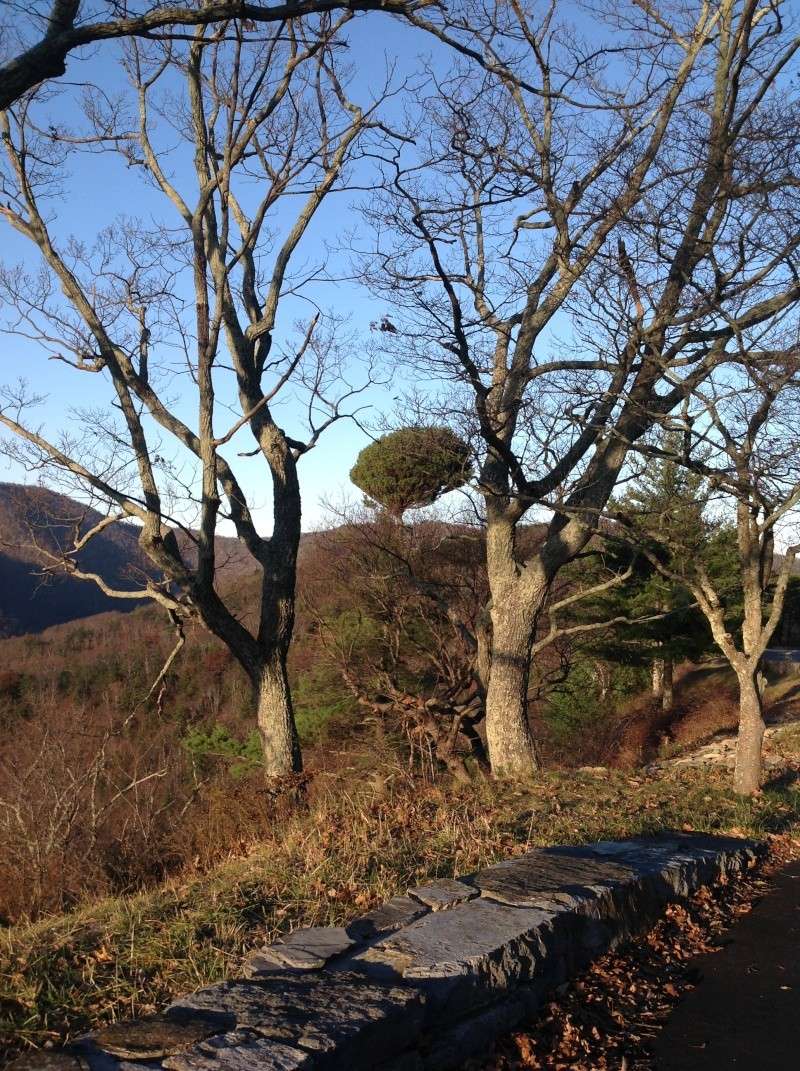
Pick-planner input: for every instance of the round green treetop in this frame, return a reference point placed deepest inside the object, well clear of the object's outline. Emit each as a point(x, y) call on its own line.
point(412, 467)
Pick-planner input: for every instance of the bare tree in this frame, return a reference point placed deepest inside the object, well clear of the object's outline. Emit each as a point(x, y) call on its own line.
point(739, 433)
point(504, 218)
point(264, 132)
point(42, 35)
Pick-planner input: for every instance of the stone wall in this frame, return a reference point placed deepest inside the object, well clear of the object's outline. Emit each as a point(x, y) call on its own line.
point(428, 979)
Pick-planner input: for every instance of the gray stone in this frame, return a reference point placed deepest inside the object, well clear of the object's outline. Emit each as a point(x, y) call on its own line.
point(476, 937)
point(329, 1014)
point(681, 861)
point(473, 1037)
point(104, 1061)
point(96, 1059)
point(241, 1050)
point(307, 949)
point(396, 913)
point(443, 894)
point(381, 964)
point(151, 1039)
point(625, 847)
point(261, 963)
point(551, 880)
point(461, 959)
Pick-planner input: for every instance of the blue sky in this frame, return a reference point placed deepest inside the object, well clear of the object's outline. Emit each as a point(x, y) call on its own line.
point(100, 188)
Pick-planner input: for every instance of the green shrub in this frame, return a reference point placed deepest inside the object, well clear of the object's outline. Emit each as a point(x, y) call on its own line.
point(244, 756)
point(320, 702)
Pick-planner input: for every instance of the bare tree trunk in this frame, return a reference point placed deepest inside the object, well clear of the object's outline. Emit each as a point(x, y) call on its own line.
point(602, 675)
point(275, 718)
point(508, 735)
point(658, 678)
point(667, 697)
point(747, 773)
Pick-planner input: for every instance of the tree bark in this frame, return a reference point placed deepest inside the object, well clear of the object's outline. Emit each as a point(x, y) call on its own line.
point(667, 696)
point(747, 772)
point(508, 735)
point(276, 725)
point(483, 654)
point(658, 678)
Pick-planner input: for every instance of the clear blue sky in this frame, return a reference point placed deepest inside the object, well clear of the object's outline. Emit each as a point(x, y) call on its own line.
point(101, 188)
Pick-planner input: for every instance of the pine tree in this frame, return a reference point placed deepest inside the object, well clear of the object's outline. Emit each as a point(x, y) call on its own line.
point(668, 499)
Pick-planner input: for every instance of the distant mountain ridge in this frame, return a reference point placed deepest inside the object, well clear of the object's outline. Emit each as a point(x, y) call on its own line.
point(35, 520)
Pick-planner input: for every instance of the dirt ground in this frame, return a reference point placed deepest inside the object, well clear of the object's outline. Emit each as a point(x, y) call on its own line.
point(705, 705)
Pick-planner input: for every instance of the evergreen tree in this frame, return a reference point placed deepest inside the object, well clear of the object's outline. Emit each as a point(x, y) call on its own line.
point(668, 499)
point(411, 467)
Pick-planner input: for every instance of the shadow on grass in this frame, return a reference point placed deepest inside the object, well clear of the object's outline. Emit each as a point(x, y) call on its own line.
point(782, 816)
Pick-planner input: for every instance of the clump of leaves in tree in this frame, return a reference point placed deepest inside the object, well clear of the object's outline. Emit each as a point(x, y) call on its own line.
point(411, 468)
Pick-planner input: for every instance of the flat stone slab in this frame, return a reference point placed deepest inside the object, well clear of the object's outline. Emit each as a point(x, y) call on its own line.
point(316, 1013)
point(150, 1039)
point(480, 937)
point(307, 949)
point(396, 913)
point(241, 1050)
point(546, 879)
point(442, 894)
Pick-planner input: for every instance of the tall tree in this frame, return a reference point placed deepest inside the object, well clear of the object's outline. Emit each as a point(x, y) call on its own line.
point(739, 435)
point(244, 140)
point(504, 216)
point(669, 499)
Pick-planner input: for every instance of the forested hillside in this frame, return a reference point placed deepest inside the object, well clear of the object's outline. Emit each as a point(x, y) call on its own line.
point(113, 777)
point(38, 527)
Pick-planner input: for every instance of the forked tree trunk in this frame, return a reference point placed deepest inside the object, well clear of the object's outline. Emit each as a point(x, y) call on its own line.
point(508, 736)
point(280, 743)
point(747, 773)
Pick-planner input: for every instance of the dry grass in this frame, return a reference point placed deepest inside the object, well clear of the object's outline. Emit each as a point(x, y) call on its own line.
point(362, 834)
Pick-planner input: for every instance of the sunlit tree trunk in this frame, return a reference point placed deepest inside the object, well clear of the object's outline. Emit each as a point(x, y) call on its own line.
point(748, 770)
point(516, 599)
point(658, 678)
point(667, 692)
point(508, 735)
point(275, 718)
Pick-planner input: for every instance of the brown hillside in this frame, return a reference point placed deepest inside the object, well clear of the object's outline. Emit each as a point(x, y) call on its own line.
point(705, 705)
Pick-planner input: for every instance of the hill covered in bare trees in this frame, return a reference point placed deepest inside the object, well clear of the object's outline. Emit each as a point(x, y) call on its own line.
point(38, 529)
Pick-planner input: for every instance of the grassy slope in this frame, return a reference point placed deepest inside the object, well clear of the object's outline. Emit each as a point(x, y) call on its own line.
point(364, 834)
